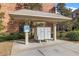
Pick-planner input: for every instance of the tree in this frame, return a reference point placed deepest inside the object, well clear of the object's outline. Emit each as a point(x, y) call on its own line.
point(76, 19)
point(31, 6)
point(1, 16)
point(76, 24)
point(64, 26)
point(63, 10)
point(1, 25)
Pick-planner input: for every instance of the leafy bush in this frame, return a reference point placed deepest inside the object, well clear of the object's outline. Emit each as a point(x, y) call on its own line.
point(2, 38)
point(12, 36)
point(21, 36)
point(15, 36)
point(73, 35)
point(61, 35)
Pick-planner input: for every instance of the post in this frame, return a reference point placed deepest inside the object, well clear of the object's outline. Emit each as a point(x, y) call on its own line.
point(54, 31)
point(26, 38)
point(26, 30)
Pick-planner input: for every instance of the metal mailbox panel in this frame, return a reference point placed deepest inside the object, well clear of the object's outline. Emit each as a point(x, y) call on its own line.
point(43, 33)
point(40, 33)
point(47, 33)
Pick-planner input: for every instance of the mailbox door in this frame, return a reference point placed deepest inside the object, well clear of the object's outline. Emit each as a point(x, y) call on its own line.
point(47, 33)
point(40, 33)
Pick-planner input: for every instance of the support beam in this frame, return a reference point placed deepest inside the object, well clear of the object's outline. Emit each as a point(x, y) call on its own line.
point(26, 38)
point(54, 31)
point(26, 33)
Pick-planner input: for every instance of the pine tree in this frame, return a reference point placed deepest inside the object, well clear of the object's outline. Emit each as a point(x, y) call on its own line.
point(63, 10)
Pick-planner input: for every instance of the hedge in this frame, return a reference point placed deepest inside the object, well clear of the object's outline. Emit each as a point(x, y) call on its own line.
point(72, 36)
point(12, 36)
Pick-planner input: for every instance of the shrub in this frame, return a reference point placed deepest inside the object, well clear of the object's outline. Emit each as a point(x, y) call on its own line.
point(21, 36)
point(12, 36)
point(61, 35)
point(2, 38)
point(16, 36)
point(73, 35)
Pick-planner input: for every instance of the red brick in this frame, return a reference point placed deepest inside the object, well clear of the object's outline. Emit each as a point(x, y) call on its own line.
point(8, 7)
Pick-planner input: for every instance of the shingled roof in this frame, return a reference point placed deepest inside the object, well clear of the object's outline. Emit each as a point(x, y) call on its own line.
point(31, 13)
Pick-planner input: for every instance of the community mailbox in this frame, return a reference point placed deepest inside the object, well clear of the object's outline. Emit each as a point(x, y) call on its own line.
point(26, 28)
point(43, 33)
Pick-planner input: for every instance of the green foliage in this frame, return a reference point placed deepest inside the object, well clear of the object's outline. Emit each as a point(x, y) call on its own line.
point(12, 36)
point(63, 10)
point(72, 36)
point(76, 24)
point(21, 36)
point(2, 38)
point(1, 25)
point(1, 16)
point(69, 25)
point(66, 26)
point(61, 35)
point(15, 36)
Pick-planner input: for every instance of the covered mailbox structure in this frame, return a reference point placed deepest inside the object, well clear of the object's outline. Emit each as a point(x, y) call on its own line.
point(30, 15)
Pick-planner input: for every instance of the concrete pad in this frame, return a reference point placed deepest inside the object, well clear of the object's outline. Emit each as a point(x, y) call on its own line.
point(19, 47)
point(58, 50)
point(53, 48)
point(29, 53)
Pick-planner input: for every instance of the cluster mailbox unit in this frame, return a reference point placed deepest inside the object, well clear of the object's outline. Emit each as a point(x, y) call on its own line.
point(43, 33)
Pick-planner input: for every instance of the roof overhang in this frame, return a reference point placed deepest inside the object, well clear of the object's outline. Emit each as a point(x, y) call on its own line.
point(25, 14)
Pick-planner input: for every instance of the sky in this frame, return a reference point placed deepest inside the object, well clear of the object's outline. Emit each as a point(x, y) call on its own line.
point(73, 6)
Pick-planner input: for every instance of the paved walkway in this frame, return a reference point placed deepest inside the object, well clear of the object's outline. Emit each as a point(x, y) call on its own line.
point(53, 48)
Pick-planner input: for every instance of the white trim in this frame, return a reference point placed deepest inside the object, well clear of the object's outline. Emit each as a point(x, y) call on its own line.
point(26, 38)
point(54, 31)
